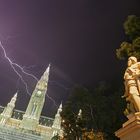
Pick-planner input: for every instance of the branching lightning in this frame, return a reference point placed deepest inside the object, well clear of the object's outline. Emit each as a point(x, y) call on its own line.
point(15, 65)
point(12, 66)
point(52, 100)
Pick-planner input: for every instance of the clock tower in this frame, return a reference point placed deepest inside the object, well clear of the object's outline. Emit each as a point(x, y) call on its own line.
point(32, 115)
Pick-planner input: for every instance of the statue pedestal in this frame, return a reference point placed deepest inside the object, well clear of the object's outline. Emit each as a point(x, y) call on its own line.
point(131, 129)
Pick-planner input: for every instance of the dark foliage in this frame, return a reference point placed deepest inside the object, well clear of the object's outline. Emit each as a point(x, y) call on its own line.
point(132, 46)
point(102, 111)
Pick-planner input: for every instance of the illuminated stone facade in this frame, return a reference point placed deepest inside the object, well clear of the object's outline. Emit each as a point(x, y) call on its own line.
point(30, 125)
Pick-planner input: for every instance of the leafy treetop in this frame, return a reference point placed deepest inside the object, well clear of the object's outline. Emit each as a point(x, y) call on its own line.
point(132, 46)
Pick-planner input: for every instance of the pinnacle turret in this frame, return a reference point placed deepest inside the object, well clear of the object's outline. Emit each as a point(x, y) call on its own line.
point(59, 109)
point(57, 120)
point(8, 110)
point(13, 100)
point(80, 114)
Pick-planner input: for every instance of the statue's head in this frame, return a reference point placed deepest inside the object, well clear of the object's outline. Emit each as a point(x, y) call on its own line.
point(132, 60)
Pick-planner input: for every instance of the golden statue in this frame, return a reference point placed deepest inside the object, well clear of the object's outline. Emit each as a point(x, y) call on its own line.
point(132, 86)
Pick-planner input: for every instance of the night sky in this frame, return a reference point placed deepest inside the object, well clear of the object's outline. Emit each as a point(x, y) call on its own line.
point(78, 38)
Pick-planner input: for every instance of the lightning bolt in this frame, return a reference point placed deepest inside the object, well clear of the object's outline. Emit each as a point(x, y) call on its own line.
point(52, 100)
point(13, 65)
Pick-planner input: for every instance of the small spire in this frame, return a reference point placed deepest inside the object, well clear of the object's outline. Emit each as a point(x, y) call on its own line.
point(8, 110)
point(60, 106)
point(14, 98)
point(80, 113)
point(57, 120)
point(59, 109)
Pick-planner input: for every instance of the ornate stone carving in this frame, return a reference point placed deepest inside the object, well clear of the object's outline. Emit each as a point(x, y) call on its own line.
point(132, 86)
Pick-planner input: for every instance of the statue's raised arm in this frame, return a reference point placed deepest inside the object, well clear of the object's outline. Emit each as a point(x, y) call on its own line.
point(132, 85)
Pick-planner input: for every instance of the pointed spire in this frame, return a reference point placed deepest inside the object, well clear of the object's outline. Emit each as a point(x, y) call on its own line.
point(45, 76)
point(43, 82)
point(79, 114)
point(14, 98)
point(57, 120)
point(59, 109)
point(48, 68)
point(60, 106)
point(8, 110)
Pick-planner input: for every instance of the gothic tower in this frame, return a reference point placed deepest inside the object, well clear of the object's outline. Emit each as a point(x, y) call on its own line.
point(36, 103)
point(8, 110)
